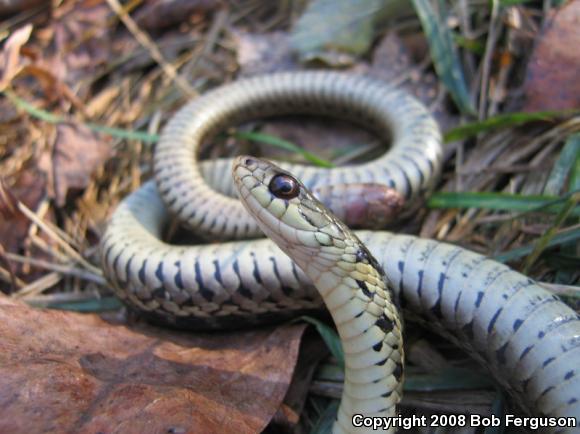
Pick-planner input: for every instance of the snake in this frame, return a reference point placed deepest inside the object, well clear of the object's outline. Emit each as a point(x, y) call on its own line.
point(521, 333)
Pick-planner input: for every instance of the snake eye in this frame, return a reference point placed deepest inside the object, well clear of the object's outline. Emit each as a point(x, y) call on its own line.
point(284, 187)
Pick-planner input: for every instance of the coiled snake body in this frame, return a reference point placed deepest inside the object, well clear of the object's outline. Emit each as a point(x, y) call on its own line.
point(525, 336)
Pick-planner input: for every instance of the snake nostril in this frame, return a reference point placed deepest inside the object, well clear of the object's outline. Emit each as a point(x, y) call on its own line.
point(249, 161)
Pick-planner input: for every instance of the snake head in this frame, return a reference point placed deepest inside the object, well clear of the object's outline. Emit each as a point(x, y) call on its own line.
point(287, 211)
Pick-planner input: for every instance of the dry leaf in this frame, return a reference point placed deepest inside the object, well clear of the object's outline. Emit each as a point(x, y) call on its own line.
point(29, 188)
point(78, 152)
point(392, 62)
point(552, 82)
point(261, 53)
point(69, 372)
point(82, 42)
point(160, 14)
point(10, 60)
point(12, 6)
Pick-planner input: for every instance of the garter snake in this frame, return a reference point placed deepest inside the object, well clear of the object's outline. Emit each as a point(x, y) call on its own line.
point(525, 336)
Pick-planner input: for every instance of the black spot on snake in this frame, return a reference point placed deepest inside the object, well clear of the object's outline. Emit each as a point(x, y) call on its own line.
point(467, 329)
point(387, 394)
point(256, 271)
point(572, 401)
point(548, 361)
point(245, 292)
point(208, 295)
point(178, 280)
point(217, 274)
point(408, 187)
point(128, 266)
point(517, 324)
point(525, 352)
point(362, 255)
point(363, 286)
point(525, 383)
point(420, 284)
point(436, 310)
point(159, 272)
point(398, 371)
point(547, 390)
point(478, 299)
point(377, 347)
point(382, 362)
point(441, 283)
point(500, 354)
point(569, 375)
point(493, 320)
point(158, 293)
point(141, 273)
point(385, 324)
point(457, 301)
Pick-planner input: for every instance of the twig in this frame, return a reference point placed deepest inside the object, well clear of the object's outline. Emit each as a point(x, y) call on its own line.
point(61, 268)
point(148, 43)
point(54, 236)
point(486, 63)
point(45, 282)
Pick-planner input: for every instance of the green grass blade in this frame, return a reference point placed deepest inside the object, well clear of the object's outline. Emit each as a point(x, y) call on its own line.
point(543, 241)
point(563, 166)
point(502, 121)
point(103, 129)
point(564, 237)
point(104, 304)
point(500, 202)
point(574, 183)
point(327, 418)
point(447, 379)
point(330, 338)
point(498, 410)
point(444, 55)
point(277, 142)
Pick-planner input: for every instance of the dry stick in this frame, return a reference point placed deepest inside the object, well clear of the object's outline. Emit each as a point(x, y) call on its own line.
point(41, 244)
point(153, 49)
point(54, 236)
point(61, 268)
point(8, 274)
point(217, 26)
point(45, 282)
point(489, 46)
point(467, 33)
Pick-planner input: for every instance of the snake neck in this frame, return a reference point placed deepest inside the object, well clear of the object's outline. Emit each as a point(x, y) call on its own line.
point(361, 302)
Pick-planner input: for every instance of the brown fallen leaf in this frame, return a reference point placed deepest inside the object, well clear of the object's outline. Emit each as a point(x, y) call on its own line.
point(11, 62)
point(12, 6)
point(79, 43)
point(69, 372)
point(261, 53)
point(159, 14)
point(29, 188)
point(551, 81)
point(77, 153)
point(392, 62)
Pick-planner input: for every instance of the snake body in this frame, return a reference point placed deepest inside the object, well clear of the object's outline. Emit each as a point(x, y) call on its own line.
point(525, 336)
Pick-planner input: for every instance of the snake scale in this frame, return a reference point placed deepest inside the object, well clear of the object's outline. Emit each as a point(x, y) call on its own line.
point(526, 337)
